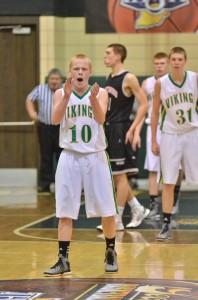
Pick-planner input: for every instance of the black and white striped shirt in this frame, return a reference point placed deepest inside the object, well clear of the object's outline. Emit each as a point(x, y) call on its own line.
point(43, 95)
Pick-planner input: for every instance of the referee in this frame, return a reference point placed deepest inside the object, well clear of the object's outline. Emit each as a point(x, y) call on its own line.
point(39, 107)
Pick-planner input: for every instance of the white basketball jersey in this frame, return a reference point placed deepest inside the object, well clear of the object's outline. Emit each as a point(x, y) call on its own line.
point(78, 130)
point(179, 104)
point(150, 83)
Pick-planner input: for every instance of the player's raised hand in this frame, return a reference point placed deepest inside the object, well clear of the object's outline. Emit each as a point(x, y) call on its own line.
point(94, 91)
point(68, 86)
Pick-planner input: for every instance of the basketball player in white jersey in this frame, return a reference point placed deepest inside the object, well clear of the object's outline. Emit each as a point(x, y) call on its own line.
point(80, 110)
point(177, 92)
point(160, 63)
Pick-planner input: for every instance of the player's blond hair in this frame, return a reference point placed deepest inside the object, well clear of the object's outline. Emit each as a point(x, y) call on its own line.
point(80, 56)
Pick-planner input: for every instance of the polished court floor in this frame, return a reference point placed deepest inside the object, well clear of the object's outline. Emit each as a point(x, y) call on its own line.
point(148, 269)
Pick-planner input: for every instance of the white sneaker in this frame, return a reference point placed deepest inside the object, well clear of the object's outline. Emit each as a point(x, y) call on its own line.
point(99, 228)
point(138, 215)
point(119, 224)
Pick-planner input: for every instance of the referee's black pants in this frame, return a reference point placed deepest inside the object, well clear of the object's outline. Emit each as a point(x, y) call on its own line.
point(49, 153)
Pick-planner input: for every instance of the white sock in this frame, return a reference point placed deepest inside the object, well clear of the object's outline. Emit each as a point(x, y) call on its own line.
point(134, 202)
point(120, 210)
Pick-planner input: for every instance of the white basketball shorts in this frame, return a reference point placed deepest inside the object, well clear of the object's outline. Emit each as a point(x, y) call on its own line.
point(91, 172)
point(179, 150)
point(151, 161)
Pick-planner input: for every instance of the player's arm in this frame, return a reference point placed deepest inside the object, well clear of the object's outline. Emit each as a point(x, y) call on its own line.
point(133, 83)
point(60, 101)
point(143, 86)
point(99, 101)
point(31, 110)
point(136, 143)
point(137, 134)
point(144, 83)
point(155, 117)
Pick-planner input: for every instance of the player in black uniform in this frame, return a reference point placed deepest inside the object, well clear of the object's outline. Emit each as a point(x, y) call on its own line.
point(123, 87)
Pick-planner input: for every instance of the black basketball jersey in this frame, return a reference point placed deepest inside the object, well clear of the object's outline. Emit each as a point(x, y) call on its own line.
point(119, 106)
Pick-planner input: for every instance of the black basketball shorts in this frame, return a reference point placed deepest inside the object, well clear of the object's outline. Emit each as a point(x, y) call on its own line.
point(122, 157)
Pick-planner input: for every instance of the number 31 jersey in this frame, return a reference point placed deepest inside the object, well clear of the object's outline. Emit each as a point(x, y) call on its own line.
point(79, 131)
point(179, 112)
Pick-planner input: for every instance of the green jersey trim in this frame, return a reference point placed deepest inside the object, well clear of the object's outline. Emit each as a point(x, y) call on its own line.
point(163, 116)
point(178, 85)
point(82, 96)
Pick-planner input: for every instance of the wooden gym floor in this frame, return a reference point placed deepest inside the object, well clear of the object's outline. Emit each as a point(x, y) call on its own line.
point(147, 269)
